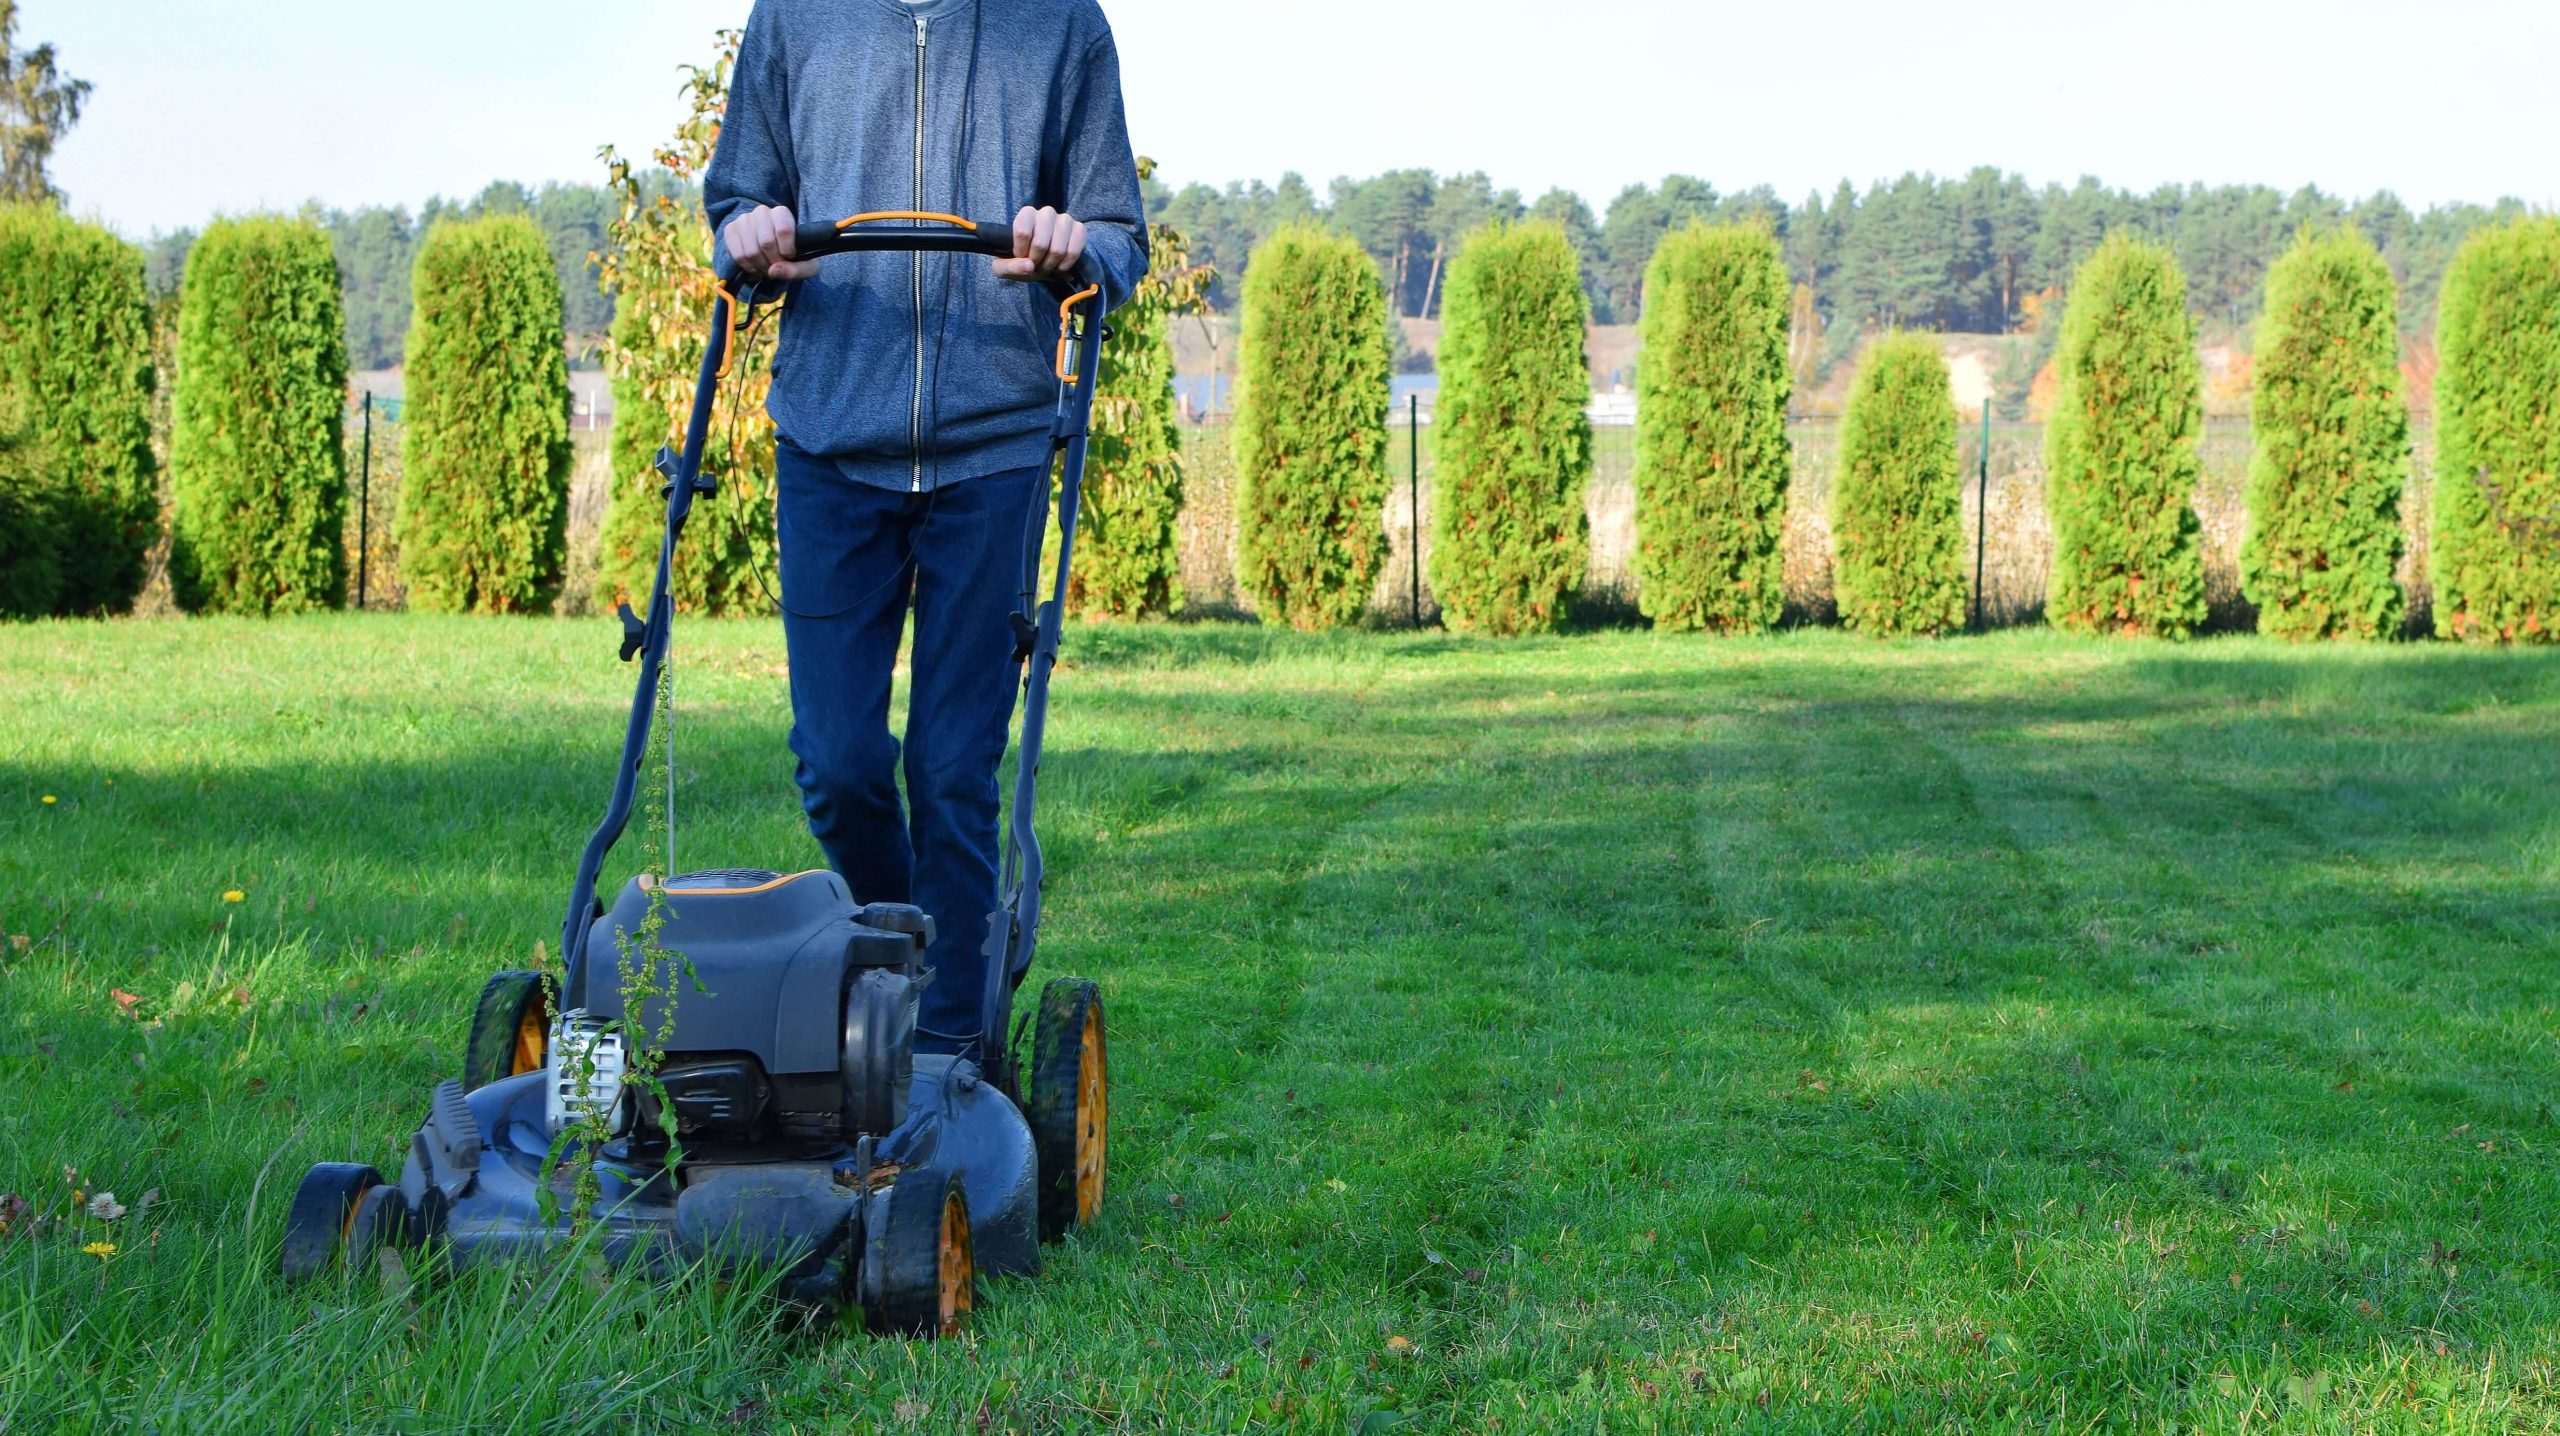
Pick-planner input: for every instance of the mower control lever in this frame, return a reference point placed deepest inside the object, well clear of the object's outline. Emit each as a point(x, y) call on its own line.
point(634, 632)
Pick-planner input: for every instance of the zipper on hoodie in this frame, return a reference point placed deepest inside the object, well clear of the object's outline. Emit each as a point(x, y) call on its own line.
point(915, 403)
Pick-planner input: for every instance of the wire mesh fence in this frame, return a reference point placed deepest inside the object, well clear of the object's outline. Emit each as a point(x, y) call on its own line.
point(2017, 543)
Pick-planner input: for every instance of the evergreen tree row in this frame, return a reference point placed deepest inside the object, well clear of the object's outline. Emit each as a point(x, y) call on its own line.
point(1965, 255)
point(1713, 462)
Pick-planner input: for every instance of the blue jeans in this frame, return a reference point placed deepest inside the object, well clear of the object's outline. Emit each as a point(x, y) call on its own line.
point(856, 560)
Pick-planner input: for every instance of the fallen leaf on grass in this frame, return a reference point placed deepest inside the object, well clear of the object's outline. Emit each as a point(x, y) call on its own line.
point(124, 1000)
point(1336, 1184)
point(1399, 1346)
point(18, 942)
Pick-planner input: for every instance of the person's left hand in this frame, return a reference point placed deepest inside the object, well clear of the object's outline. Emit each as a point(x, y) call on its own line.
point(1046, 245)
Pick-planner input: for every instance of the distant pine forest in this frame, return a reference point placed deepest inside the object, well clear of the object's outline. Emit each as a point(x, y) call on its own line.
point(1983, 254)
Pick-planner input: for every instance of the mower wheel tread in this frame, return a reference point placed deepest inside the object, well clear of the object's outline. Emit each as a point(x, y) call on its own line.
point(919, 1274)
point(510, 1028)
point(1069, 1110)
point(317, 1225)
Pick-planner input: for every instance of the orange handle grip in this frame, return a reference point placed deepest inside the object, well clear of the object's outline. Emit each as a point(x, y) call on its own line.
point(919, 215)
point(1066, 329)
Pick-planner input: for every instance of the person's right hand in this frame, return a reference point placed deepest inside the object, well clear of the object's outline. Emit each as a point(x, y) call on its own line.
point(759, 242)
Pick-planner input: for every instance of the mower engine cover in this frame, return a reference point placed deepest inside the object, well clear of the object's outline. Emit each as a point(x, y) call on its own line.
point(797, 1019)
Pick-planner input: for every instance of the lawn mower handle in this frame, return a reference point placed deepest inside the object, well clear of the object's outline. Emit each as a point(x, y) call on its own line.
point(1013, 930)
point(886, 232)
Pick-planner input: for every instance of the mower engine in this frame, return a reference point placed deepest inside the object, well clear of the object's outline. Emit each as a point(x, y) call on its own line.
point(787, 1014)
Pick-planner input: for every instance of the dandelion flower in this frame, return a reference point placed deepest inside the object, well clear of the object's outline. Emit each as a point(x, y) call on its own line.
point(49, 800)
point(235, 895)
point(100, 1250)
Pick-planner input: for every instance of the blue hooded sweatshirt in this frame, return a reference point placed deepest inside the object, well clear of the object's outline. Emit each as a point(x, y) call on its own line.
point(910, 371)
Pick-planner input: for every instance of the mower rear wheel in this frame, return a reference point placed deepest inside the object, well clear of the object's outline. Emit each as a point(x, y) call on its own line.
point(1070, 1109)
point(510, 1030)
point(322, 1219)
point(919, 1274)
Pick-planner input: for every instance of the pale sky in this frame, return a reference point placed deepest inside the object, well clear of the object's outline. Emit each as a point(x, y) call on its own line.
point(206, 106)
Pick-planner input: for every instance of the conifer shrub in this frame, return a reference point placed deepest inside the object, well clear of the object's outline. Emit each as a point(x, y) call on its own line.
point(1127, 554)
point(1311, 428)
point(485, 455)
point(2496, 545)
point(257, 460)
point(2330, 443)
point(2121, 455)
point(1897, 523)
point(76, 379)
point(1511, 435)
point(31, 547)
point(1712, 457)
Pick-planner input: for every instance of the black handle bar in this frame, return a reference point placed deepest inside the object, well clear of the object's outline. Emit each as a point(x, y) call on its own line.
point(818, 239)
point(898, 232)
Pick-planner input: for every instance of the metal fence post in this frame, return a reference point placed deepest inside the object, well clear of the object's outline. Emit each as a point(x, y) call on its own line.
point(1982, 515)
point(1413, 431)
point(364, 510)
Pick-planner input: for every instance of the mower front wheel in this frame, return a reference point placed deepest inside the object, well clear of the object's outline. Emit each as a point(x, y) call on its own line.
point(919, 1274)
point(321, 1223)
point(510, 1030)
point(1070, 1108)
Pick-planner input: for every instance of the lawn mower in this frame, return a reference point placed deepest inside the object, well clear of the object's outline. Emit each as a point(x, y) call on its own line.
point(790, 1127)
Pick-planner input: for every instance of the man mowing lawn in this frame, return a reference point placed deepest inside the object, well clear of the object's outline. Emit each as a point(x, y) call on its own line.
point(913, 402)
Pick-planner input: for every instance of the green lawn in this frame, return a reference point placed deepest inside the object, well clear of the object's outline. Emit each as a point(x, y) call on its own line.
point(1606, 1033)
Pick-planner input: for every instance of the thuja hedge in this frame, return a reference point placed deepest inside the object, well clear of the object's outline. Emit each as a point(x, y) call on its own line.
point(81, 502)
point(1511, 436)
point(484, 491)
point(1310, 431)
point(2121, 456)
point(257, 460)
point(1127, 556)
point(1712, 457)
point(2331, 439)
point(2496, 550)
point(1897, 521)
